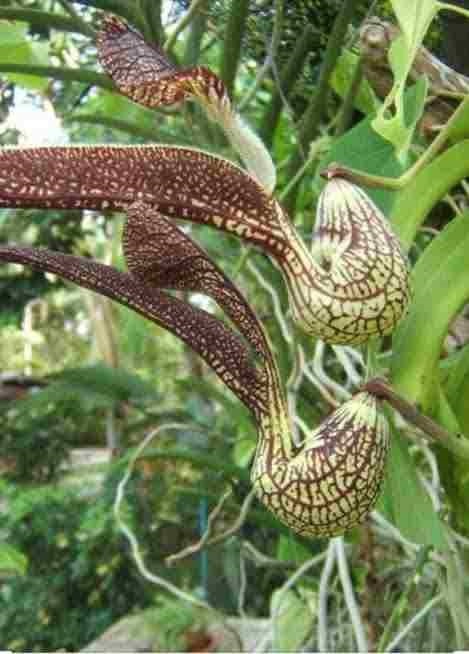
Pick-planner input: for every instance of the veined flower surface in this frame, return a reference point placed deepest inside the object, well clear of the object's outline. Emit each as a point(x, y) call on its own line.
point(322, 488)
point(353, 285)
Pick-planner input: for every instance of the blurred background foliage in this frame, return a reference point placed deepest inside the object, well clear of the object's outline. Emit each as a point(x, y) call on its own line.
point(83, 381)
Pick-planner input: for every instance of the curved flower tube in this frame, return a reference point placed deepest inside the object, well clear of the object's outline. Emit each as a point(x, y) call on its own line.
point(322, 488)
point(352, 285)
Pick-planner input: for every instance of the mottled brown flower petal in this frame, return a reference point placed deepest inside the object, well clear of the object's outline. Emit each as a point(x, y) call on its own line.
point(332, 484)
point(157, 251)
point(218, 345)
point(180, 182)
point(143, 73)
point(354, 285)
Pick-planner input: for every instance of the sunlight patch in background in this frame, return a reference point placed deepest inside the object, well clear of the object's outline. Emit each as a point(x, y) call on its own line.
point(35, 120)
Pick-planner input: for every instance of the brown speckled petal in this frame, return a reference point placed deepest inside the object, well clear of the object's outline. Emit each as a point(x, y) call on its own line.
point(180, 182)
point(218, 345)
point(143, 73)
point(157, 251)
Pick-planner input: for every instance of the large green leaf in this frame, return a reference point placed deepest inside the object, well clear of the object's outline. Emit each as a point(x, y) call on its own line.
point(441, 286)
point(457, 388)
point(459, 125)
point(361, 147)
point(405, 501)
point(19, 48)
point(420, 195)
point(454, 471)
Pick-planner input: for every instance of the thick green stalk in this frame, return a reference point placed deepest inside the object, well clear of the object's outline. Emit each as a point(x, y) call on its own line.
point(288, 76)
point(447, 6)
point(441, 272)
point(190, 15)
point(314, 113)
point(421, 194)
point(45, 19)
point(60, 72)
point(269, 59)
point(232, 44)
point(151, 9)
point(196, 33)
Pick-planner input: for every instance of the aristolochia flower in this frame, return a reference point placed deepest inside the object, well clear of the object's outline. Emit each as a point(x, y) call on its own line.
point(321, 488)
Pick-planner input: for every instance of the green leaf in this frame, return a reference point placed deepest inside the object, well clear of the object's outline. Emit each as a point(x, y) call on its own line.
point(290, 549)
point(17, 47)
point(457, 388)
point(406, 502)
point(459, 126)
point(361, 147)
point(414, 19)
point(441, 286)
point(365, 100)
point(416, 200)
point(12, 561)
point(294, 621)
point(399, 128)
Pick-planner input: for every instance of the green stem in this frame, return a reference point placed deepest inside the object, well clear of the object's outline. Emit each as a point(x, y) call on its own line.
point(446, 6)
point(396, 183)
point(346, 111)
point(151, 9)
point(45, 19)
point(232, 46)
point(190, 15)
point(197, 31)
point(453, 442)
point(314, 113)
point(314, 152)
point(284, 85)
point(421, 194)
point(372, 350)
point(274, 43)
point(60, 72)
point(85, 28)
